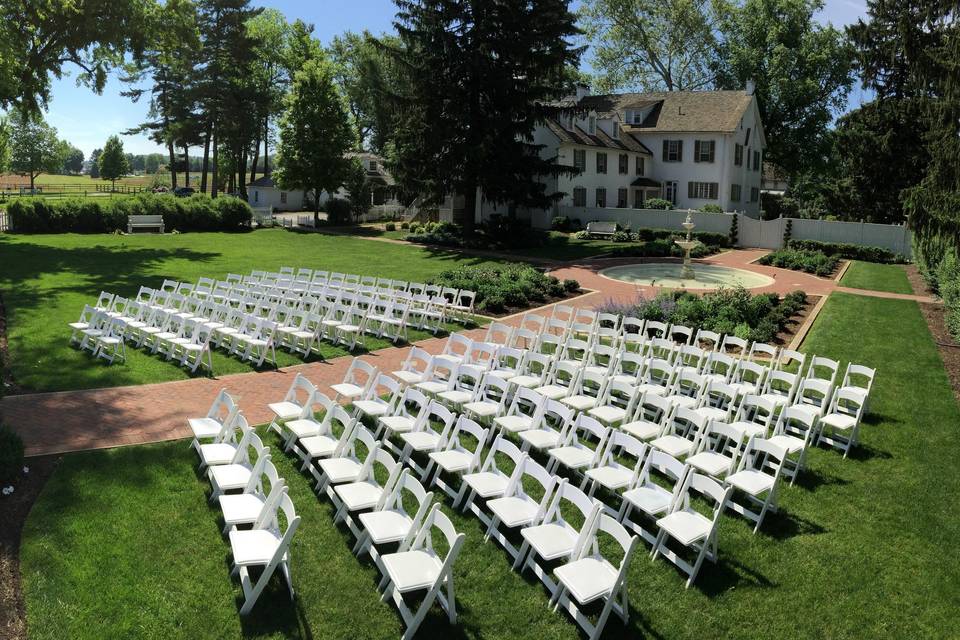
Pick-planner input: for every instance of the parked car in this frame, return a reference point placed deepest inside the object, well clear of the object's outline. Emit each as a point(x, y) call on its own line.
point(161, 189)
point(184, 192)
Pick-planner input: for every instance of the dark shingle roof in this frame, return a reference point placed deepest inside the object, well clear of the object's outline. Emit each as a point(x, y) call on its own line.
point(675, 111)
point(578, 136)
point(262, 181)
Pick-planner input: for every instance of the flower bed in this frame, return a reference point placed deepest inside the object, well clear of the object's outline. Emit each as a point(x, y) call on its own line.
point(815, 262)
point(727, 311)
point(513, 287)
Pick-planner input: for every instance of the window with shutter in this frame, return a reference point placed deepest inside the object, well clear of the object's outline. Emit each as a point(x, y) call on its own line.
point(738, 155)
point(624, 164)
point(756, 161)
point(580, 159)
point(579, 197)
point(601, 197)
point(703, 150)
point(640, 167)
point(673, 150)
point(735, 192)
point(601, 162)
point(622, 198)
point(702, 190)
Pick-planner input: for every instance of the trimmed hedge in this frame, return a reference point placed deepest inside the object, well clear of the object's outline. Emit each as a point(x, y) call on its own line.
point(92, 215)
point(815, 262)
point(848, 251)
point(727, 311)
point(513, 286)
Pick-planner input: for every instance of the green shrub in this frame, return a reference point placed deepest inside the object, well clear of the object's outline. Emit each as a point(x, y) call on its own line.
point(621, 236)
point(339, 211)
point(560, 223)
point(389, 227)
point(11, 454)
point(658, 203)
point(848, 251)
point(711, 208)
point(499, 288)
point(948, 278)
point(734, 234)
point(87, 215)
point(404, 225)
point(571, 286)
point(815, 262)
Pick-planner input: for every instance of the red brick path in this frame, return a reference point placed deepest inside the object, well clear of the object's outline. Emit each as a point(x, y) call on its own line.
point(99, 418)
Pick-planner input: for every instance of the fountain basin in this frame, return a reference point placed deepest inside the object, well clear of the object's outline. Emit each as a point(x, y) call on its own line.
point(671, 275)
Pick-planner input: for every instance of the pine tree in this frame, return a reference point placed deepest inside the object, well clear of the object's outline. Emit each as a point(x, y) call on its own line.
point(479, 76)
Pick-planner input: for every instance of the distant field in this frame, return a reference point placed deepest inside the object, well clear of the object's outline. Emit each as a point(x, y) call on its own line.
point(11, 182)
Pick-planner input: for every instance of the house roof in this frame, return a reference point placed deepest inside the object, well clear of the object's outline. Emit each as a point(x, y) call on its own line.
point(578, 136)
point(262, 181)
point(645, 182)
point(675, 111)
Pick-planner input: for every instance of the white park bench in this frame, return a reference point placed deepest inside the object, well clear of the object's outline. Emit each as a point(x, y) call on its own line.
point(144, 222)
point(601, 228)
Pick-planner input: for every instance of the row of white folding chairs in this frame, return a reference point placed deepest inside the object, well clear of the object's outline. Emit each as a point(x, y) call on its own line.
point(250, 493)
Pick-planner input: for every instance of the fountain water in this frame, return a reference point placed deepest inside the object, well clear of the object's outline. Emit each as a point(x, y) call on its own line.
point(686, 272)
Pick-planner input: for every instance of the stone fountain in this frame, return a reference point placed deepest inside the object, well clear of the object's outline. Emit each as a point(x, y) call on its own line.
point(686, 273)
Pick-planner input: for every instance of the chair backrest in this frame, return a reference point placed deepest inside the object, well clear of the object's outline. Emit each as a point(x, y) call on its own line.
point(664, 348)
point(789, 359)
point(850, 401)
point(556, 416)
point(527, 402)
point(417, 361)
point(483, 354)
point(692, 356)
point(631, 363)
point(424, 540)
point(814, 392)
point(407, 483)
point(632, 326)
point(439, 419)
point(591, 383)
point(723, 439)
point(719, 364)
point(782, 383)
point(524, 338)
point(223, 407)
point(733, 346)
point(537, 364)
point(587, 507)
point(653, 408)
point(823, 369)
point(763, 352)
point(575, 349)
point(764, 456)
point(609, 321)
point(493, 389)
point(689, 383)
point(719, 396)
point(469, 378)
point(361, 373)
point(660, 372)
point(747, 372)
point(710, 491)
point(458, 345)
point(622, 394)
point(687, 424)
point(587, 428)
point(707, 340)
point(533, 322)
point(757, 410)
point(498, 333)
point(413, 404)
point(531, 474)
point(621, 448)
point(466, 426)
point(385, 385)
point(627, 542)
point(655, 329)
point(796, 422)
point(565, 374)
point(670, 471)
point(300, 391)
point(859, 376)
point(681, 334)
point(504, 447)
point(510, 358)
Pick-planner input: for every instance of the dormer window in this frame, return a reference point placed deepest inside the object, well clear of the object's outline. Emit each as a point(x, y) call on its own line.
point(616, 130)
point(592, 125)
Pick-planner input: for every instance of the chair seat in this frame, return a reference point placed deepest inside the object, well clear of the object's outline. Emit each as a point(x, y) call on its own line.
point(711, 463)
point(550, 541)
point(340, 470)
point(229, 476)
point(588, 578)
point(302, 335)
point(791, 444)
point(285, 410)
point(303, 428)
point(749, 429)
point(78, 325)
point(612, 478)
point(541, 438)
point(526, 382)
point(348, 328)
point(217, 453)
point(682, 401)
point(652, 499)
point(452, 461)
point(421, 440)
point(687, 526)
point(253, 547)
point(359, 495)
point(432, 387)
point(482, 409)
point(514, 424)
point(386, 526)
point(455, 396)
point(371, 408)
point(751, 481)
point(674, 445)
point(319, 446)
point(608, 413)
point(572, 457)
point(347, 390)
point(655, 389)
point(204, 427)
point(624, 378)
point(487, 484)
point(775, 398)
point(840, 421)
point(713, 413)
point(580, 403)
point(412, 570)
point(744, 388)
point(243, 508)
point(642, 429)
point(514, 511)
point(552, 391)
point(398, 424)
point(408, 377)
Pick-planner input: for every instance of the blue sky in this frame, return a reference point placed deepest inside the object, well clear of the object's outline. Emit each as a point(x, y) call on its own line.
point(86, 119)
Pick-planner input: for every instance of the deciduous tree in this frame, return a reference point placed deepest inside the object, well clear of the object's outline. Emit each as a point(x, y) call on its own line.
point(34, 146)
point(113, 161)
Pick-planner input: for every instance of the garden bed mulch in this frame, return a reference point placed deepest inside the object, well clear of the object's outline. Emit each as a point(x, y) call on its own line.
point(935, 316)
point(14, 510)
point(785, 336)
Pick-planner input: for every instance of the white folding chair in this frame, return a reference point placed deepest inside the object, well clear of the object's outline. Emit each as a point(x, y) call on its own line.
point(381, 398)
point(842, 420)
point(490, 480)
point(457, 457)
point(428, 436)
point(297, 397)
point(415, 368)
point(409, 410)
point(490, 399)
point(222, 412)
point(653, 493)
point(754, 417)
point(265, 545)
point(757, 479)
point(366, 491)
point(651, 414)
point(582, 446)
point(617, 404)
point(420, 567)
point(235, 474)
point(262, 491)
point(356, 382)
point(517, 507)
point(794, 432)
point(590, 576)
point(551, 427)
point(718, 450)
point(524, 412)
point(390, 522)
point(346, 466)
point(682, 433)
point(326, 439)
point(610, 472)
point(225, 444)
point(691, 528)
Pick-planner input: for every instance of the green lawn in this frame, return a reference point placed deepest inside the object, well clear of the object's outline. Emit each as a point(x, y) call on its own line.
point(862, 547)
point(876, 277)
point(45, 281)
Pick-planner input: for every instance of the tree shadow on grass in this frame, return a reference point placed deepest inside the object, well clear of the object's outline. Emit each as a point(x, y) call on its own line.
point(783, 526)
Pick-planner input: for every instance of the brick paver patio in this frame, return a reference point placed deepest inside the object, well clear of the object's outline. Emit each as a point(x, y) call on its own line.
point(98, 418)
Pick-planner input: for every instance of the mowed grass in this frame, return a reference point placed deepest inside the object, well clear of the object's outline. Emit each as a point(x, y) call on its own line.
point(876, 277)
point(122, 543)
point(46, 280)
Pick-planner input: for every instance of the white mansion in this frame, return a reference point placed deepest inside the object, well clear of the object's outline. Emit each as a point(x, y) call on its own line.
point(692, 148)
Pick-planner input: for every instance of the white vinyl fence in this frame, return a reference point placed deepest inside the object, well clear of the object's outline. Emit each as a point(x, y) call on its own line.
point(752, 232)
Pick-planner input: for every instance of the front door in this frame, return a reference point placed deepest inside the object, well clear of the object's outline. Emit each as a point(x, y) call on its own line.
point(638, 198)
point(671, 190)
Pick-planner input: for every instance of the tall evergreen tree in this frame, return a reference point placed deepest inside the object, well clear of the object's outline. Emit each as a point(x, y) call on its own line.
point(479, 76)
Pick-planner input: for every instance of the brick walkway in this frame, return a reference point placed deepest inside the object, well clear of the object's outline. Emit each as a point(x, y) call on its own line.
point(99, 418)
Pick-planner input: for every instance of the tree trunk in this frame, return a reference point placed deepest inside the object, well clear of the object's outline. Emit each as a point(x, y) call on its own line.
point(316, 209)
point(32, 177)
point(469, 209)
point(186, 165)
point(242, 174)
point(216, 176)
point(266, 146)
point(206, 160)
point(173, 165)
